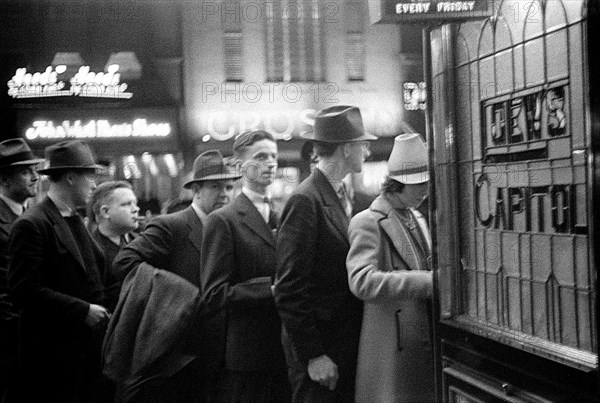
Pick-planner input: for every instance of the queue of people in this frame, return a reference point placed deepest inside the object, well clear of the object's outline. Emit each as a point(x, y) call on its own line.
point(227, 300)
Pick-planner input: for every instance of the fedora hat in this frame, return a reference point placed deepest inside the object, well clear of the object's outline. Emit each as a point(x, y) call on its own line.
point(16, 152)
point(73, 154)
point(408, 160)
point(338, 124)
point(210, 166)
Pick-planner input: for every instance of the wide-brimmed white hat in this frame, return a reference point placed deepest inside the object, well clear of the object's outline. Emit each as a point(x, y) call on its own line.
point(408, 160)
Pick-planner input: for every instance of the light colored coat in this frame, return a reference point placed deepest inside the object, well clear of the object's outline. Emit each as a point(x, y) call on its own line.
point(387, 270)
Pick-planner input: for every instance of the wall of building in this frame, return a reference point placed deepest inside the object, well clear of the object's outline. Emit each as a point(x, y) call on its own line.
point(217, 110)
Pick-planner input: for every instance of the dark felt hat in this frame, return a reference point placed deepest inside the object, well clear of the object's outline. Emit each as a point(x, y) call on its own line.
point(338, 124)
point(72, 154)
point(210, 166)
point(16, 152)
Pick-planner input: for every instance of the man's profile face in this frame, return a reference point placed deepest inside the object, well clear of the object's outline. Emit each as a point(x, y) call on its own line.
point(259, 162)
point(83, 185)
point(121, 210)
point(359, 152)
point(21, 182)
point(215, 194)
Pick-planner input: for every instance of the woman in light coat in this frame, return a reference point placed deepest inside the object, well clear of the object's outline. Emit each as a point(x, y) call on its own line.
point(388, 268)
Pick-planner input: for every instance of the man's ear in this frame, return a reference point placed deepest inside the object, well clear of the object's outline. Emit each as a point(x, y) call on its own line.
point(70, 177)
point(103, 211)
point(195, 188)
point(347, 149)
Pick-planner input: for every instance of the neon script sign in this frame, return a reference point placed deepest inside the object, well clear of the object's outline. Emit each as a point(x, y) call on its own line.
point(47, 129)
point(84, 84)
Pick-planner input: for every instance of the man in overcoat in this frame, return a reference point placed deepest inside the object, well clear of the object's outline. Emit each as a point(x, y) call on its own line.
point(173, 242)
point(388, 268)
point(18, 182)
point(239, 262)
point(320, 316)
point(55, 277)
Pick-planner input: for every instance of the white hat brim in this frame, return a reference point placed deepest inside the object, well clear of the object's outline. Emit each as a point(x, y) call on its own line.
point(412, 179)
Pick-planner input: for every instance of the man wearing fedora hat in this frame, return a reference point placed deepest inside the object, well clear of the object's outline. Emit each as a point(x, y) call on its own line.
point(388, 268)
point(238, 266)
point(56, 278)
point(173, 242)
point(18, 182)
point(321, 318)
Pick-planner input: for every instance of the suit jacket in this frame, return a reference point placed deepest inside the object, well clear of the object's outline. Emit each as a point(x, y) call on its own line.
point(48, 278)
point(7, 219)
point(319, 313)
point(390, 272)
point(238, 260)
point(170, 242)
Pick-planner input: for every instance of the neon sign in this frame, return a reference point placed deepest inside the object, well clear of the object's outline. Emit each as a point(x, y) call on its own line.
point(47, 129)
point(415, 96)
point(82, 84)
point(394, 11)
point(222, 125)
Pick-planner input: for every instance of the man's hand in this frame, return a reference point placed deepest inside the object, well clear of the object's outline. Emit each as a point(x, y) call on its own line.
point(323, 371)
point(96, 315)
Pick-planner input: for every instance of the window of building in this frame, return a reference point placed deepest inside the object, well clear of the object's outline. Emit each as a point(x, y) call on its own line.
point(354, 23)
point(294, 42)
point(355, 56)
point(516, 266)
point(234, 66)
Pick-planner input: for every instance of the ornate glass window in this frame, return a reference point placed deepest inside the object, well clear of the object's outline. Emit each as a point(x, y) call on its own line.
point(513, 168)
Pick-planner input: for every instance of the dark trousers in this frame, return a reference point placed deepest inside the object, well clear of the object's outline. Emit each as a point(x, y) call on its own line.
point(305, 390)
point(61, 376)
point(255, 387)
point(186, 386)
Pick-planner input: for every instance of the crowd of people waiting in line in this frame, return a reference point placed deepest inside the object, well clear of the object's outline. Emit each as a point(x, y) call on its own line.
point(227, 300)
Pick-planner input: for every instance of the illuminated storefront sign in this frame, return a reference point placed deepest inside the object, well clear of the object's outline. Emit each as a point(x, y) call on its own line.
point(48, 129)
point(415, 96)
point(392, 11)
point(222, 125)
point(83, 84)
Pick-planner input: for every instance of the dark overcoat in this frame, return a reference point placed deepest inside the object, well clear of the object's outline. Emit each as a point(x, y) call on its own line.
point(49, 281)
point(319, 313)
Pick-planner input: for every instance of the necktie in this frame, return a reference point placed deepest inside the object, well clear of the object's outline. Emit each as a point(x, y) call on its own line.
point(343, 196)
point(271, 217)
point(268, 208)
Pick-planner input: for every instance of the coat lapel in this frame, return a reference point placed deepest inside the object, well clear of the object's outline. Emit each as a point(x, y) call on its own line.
point(7, 218)
point(398, 234)
point(331, 204)
point(252, 219)
point(61, 228)
point(195, 225)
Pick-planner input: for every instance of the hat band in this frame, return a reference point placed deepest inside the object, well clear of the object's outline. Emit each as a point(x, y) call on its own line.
point(18, 157)
point(209, 171)
point(410, 171)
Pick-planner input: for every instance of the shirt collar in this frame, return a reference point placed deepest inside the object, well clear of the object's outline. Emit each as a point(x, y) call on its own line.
point(336, 185)
point(254, 196)
point(15, 207)
point(201, 214)
point(63, 208)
